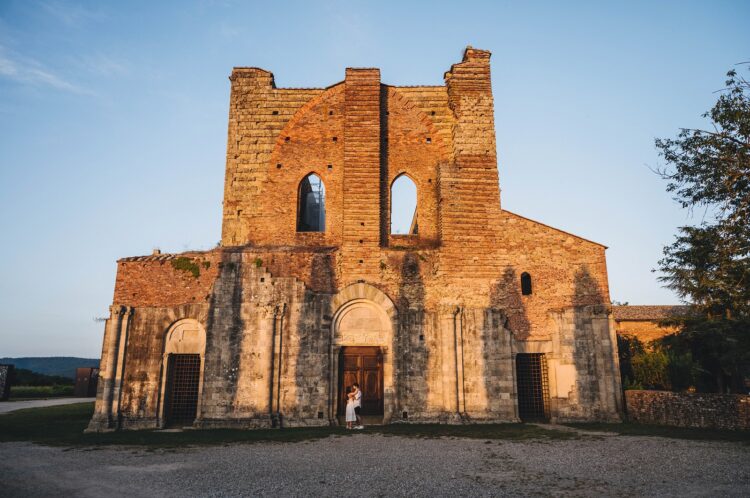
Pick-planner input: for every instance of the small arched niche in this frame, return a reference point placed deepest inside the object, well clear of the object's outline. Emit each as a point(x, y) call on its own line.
point(311, 204)
point(404, 207)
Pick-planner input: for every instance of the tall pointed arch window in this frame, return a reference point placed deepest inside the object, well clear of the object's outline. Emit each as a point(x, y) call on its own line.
point(311, 205)
point(404, 207)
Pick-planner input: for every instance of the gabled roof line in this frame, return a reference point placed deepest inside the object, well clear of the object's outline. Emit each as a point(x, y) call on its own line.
point(555, 229)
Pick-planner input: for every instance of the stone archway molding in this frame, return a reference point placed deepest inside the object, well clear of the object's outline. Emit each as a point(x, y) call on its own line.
point(363, 291)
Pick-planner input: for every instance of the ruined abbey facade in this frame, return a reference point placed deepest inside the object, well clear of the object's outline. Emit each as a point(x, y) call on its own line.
point(474, 314)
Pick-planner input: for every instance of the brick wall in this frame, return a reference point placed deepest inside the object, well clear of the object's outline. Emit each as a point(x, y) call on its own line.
point(258, 111)
point(156, 281)
point(443, 138)
point(710, 411)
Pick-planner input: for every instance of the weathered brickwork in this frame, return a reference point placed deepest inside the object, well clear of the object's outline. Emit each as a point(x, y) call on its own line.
point(271, 309)
point(705, 410)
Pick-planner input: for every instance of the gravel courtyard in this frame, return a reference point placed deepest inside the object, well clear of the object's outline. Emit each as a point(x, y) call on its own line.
point(376, 465)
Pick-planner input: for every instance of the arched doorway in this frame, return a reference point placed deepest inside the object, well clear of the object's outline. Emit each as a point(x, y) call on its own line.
point(363, 350)
point(182, 373)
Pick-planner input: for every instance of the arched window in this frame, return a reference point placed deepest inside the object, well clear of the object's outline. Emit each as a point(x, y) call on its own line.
point(311, 205)
point(525, 284)
point(404, 207)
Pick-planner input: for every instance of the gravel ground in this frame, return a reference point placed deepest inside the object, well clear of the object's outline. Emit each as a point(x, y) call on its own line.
point(373, 465)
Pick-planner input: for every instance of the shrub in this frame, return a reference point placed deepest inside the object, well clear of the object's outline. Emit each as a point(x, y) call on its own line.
point(24, 392)
point(188, 265)
point(651, 370)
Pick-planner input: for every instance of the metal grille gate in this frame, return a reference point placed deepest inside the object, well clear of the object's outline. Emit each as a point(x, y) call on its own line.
point(533, 386)
point(182, 394)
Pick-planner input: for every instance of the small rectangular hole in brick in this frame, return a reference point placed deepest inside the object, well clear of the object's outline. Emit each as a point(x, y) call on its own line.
point(275, 113)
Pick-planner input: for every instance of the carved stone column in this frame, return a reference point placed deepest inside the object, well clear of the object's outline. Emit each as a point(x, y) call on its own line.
point(120, 365)
point(102, 419)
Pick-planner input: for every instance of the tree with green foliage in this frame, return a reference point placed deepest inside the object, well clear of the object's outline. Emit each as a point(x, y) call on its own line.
point(708, 265)
point(654, 366)
point(24, 377)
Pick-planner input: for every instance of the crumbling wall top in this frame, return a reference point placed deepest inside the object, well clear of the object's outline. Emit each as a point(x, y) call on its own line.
point(256, 73)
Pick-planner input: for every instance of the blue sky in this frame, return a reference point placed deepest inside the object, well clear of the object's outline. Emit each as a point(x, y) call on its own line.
point(113, 124)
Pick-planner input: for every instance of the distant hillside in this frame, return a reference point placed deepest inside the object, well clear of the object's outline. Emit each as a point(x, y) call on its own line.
point(64, 366)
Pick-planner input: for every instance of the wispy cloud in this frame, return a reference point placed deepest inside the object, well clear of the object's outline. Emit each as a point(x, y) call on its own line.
point(70, 14)
point(102, 65)
point(229, 32)
point(27, 71)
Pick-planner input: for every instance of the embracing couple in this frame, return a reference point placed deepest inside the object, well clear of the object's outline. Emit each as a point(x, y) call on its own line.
point(353, 407)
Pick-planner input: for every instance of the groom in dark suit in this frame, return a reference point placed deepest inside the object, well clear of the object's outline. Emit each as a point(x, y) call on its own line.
point(358, 406)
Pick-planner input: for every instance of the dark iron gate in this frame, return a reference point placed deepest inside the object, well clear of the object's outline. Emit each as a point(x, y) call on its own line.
point(533, 387)
point(183, 377)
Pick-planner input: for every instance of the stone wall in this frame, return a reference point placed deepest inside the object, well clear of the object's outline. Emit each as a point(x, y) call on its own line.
point(709, 411)
point(272, 342)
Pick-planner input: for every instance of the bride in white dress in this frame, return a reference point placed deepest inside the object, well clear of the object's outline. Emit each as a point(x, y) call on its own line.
point(351, 416)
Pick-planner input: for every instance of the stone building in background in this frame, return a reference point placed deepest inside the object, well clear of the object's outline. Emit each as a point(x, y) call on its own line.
point(643, 322)
point(475, 314)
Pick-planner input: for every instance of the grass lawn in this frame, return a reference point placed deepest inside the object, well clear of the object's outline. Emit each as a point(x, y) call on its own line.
point(64, 425)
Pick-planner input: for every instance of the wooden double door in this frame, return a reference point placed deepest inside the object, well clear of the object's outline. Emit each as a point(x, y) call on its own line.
point(364, 366)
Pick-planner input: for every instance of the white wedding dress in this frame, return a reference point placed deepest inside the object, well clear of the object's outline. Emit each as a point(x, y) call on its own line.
point(350, 415)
